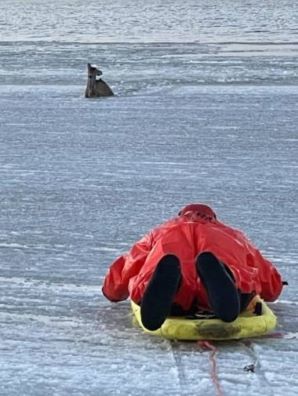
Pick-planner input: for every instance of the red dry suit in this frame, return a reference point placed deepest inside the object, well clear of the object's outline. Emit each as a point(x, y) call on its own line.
point(194, 231)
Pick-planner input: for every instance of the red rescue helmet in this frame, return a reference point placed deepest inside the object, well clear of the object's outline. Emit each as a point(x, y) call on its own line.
point(199, 210)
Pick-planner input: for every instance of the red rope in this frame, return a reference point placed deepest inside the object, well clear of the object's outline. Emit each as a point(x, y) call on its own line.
point(213, 368)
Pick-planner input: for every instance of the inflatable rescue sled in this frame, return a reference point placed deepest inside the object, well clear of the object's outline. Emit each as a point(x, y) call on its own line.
point(257, 320)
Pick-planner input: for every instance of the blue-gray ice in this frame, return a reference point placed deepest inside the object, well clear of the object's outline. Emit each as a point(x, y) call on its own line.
point(205, 110)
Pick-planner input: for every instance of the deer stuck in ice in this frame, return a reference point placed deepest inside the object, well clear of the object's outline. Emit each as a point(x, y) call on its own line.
point(96, 87)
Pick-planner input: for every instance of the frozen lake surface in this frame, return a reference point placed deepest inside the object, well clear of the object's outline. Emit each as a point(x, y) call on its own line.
point(201, 113)
point(81, 180)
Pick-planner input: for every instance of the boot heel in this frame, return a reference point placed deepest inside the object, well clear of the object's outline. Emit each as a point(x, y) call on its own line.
point(160, 292)
point(221, 290)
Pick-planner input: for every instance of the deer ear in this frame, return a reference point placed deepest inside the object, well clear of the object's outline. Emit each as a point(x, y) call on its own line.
point(89, 65)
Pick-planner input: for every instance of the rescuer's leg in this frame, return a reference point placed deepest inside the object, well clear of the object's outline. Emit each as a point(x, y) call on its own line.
point(221, 290)
point(160, 292)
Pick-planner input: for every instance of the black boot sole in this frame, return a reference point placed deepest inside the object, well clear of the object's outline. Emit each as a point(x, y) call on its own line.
point(222, 294)
point(160, 292)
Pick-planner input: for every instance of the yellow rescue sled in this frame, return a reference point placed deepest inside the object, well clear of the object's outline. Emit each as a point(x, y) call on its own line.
point(257, 320)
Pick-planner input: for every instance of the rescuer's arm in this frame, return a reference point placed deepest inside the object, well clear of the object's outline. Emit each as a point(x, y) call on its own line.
point(115, 286)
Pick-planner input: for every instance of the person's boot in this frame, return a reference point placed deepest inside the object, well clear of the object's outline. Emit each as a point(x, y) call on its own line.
point(160, 292)
point(221, 290)
point(245, 299)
